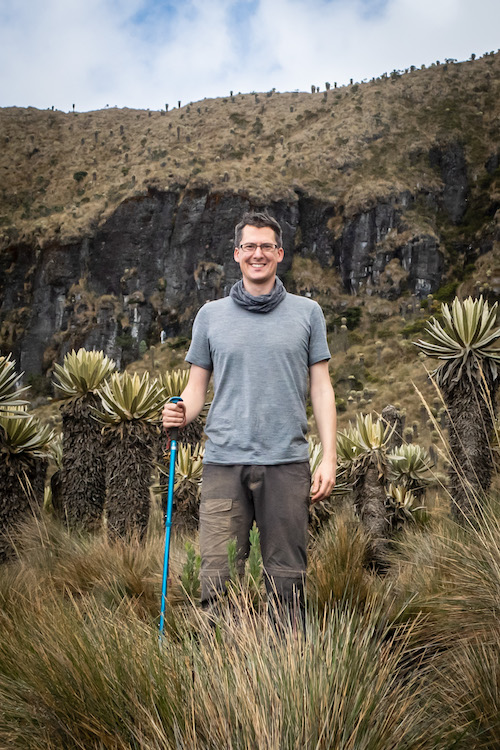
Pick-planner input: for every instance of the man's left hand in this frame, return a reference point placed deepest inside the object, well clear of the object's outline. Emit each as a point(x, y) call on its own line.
point(323, 481)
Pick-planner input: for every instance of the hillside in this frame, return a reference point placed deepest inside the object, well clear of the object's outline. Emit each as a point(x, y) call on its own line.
point(64, 174)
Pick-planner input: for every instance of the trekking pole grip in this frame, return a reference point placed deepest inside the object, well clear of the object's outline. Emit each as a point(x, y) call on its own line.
point(174, 431)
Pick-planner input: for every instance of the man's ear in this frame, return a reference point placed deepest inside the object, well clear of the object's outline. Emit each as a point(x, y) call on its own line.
point(236, 254)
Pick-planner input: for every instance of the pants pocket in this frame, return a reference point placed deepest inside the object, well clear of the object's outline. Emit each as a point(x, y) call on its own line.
point(215, 530)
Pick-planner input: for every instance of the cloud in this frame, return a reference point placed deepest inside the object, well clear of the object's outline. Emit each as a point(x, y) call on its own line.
point(58, 50)
point(145, 53)
point(321, 40)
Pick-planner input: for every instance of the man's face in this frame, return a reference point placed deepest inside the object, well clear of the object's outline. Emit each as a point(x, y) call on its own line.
point(258, 267)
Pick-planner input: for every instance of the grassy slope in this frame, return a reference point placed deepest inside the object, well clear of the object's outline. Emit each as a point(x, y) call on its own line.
point(348, 145)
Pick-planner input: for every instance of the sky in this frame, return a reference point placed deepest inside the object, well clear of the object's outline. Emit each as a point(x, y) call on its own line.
point(145, 54)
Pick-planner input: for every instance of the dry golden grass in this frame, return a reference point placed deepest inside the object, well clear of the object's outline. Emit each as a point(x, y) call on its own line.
point(406, 661)
point(337, 565)
point(350, 145)
point(77, 671)
point(51, 560)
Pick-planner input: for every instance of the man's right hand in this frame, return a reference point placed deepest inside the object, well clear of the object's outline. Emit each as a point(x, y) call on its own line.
point(174, 415)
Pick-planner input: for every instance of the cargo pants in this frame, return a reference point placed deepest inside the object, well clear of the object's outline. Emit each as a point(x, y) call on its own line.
point(276, 497)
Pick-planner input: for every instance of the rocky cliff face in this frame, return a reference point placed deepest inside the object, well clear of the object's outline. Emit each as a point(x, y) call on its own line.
point(379, 238)
point(161, 256)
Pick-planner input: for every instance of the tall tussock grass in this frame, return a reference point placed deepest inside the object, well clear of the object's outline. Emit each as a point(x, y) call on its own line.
point(452, 574)
point(406, 660)
point(339, 686)
point(50, 560)
point(94, 679)
point(337, 567)
point(87, 678)
point(472, 689)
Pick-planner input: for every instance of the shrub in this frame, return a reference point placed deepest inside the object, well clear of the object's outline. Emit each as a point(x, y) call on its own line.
point(417, 326)
point(352, 315)
point(447, 292)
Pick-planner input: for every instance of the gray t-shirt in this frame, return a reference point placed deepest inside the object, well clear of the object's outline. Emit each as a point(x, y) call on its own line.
point(260, 364)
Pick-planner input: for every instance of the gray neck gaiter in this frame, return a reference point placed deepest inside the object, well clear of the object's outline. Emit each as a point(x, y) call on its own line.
point(262, 304)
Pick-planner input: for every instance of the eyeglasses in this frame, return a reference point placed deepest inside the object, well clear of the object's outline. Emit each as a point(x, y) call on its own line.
point(251, 247)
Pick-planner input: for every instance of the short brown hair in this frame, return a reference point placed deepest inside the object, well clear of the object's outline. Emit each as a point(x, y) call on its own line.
point(258, 219)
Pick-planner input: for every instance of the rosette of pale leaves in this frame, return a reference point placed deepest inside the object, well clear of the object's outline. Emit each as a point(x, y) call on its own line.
point(410, 465)
point(128, 398)
point(82, 372)
point(367, 436)
point(402, 505)
point(174, 382)
point(188, 468)
point(468, 341)
point(348, 444)
point(24, 435)
point(9, 394)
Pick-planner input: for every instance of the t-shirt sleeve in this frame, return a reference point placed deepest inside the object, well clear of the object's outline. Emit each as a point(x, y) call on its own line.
point(318, 344)
point(199, 350)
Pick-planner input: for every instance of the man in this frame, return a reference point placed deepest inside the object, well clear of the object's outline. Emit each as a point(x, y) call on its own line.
point(261, 344)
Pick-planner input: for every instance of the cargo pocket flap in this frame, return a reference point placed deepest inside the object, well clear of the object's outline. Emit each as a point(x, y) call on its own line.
point(218, 505)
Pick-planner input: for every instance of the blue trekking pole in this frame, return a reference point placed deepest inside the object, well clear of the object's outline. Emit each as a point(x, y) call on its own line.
point(174, 431)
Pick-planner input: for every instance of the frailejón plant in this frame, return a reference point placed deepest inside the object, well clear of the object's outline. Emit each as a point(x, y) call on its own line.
point(130, 412)
point(82, 482)
point(468, 347)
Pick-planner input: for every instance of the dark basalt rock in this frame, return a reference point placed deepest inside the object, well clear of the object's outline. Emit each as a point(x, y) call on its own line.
point(364, 252)
point(424, 262)
point(493, 163)
point(450, 160)
point(357, 253)
point(160, 256)
point(316, 238)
